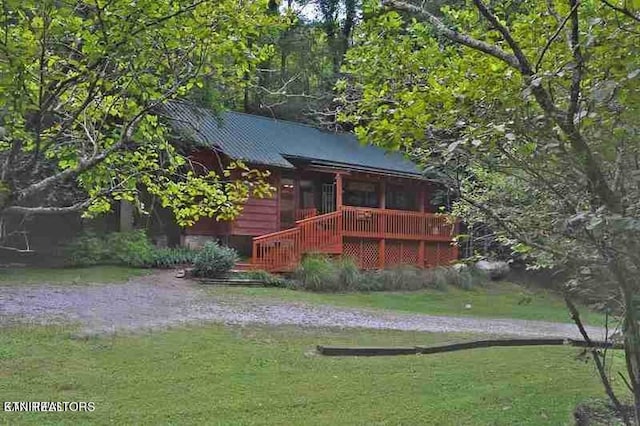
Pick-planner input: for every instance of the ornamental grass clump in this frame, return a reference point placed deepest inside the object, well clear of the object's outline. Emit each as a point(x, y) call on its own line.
point(323, 273)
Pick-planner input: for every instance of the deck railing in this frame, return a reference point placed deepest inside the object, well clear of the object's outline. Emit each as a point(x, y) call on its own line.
point(306, 213)
point(283, 249)
point(278, 250)
point(320, 233)
point(396, 224)
point(324, 233)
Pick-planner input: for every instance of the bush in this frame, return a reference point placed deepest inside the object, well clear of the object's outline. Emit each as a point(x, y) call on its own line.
point(172, 257)
point(268, 279)
point(317, 273)
point(321, 273)
point(123, 248)
point(214, 260)
point(401, 278)
point(130, 248)
point(349, 275)
point(465, 277)
point(86, 250)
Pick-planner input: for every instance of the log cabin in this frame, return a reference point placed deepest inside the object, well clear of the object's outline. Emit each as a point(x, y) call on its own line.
point(333, 195)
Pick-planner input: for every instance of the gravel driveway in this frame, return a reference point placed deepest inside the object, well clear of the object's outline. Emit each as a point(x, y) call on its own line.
point(159, 300)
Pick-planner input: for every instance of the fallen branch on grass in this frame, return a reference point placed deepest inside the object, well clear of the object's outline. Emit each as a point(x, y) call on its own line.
point(423, 350)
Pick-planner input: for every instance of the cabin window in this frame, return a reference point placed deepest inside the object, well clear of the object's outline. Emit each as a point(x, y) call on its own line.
point(398, 198)
point(361, 194)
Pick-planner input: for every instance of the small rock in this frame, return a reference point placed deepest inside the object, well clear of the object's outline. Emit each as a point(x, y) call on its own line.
point(467, 306)
point(181, 273)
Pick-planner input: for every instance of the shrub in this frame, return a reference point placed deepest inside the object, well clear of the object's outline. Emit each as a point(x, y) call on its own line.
point(403, 278)
point(85, 250)
point(465, 277)
point(124, 248)
point(172, 257)
point(214, 260)
point(321, 273)
point(268, 279)
point(317, 273)
point(349, 275)
point(130, 248)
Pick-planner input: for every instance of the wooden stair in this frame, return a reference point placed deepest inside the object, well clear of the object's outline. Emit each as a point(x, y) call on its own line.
point(282, 251)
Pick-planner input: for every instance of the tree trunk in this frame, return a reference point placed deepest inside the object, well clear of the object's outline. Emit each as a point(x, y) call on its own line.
point(631, 333)
point(126, 216)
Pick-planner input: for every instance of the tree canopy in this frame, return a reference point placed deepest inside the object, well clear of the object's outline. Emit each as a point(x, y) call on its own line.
point(80, 87)
point(530, 111)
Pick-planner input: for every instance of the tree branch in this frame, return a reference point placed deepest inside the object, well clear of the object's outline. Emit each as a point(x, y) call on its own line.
point(575, 315)
point(523, 62)
point(576, 80)
point(46, 210)
point(622, 10)
point(463, 39)
point(598, 183)
point(126, 136)
point(553, 38)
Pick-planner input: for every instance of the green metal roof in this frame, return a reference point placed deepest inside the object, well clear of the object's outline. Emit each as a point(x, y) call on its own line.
point(261, 140)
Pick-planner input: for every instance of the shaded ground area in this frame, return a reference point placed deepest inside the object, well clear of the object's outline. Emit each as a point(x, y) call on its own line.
point(160, 300)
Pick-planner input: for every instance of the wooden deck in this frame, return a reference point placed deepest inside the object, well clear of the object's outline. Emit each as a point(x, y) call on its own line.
point(374, 238)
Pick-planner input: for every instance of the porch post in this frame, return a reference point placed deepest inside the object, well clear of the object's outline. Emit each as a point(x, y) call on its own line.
point(338, 191)
point(382, 224)
point(421, 243)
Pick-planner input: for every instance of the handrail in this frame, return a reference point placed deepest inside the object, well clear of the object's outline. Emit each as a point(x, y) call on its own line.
point(396, 224)
point(322, 231)
point(271, 234)
point(395, 211)
point(307, 213)
point(281, 250)
point(318, 217)
point(277, 249)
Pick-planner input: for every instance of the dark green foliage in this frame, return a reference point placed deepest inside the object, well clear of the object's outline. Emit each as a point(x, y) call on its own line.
point(118, 248)
point(214, 260)
point(321, 273)
point(268, 279)
point(172, 257)
point(125, 248)
point(88, 249)
point(130, 248)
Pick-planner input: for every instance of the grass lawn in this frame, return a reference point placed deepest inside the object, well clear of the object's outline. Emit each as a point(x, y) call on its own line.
point(94, 274)
point(258, 375)
point(493, 300)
